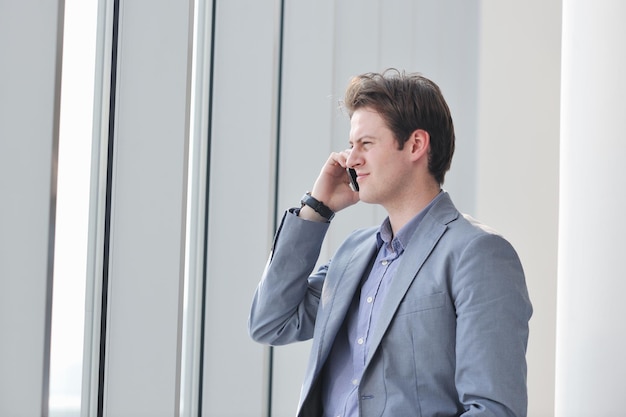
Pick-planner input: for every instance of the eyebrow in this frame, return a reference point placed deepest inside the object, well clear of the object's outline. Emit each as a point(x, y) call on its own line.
point(360, 139)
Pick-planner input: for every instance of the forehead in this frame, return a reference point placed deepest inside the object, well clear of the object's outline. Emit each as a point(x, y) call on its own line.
point(366, 122)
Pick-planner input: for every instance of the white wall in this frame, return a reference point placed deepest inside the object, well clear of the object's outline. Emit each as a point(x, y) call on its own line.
point(517, 176)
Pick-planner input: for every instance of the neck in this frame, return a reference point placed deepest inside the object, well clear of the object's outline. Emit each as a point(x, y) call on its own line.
point(405, 209)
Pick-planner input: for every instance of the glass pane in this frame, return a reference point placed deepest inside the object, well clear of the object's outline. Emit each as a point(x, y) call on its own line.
point(68, 305)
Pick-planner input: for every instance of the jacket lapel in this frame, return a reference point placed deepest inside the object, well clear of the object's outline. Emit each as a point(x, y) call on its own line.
point(337, 295)
point(428, 233)
point(335, 301)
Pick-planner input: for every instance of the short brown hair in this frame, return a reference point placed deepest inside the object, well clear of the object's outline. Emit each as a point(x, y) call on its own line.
point(407, 102)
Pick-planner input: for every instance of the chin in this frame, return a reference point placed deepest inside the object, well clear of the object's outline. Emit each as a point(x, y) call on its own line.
point(365, 198)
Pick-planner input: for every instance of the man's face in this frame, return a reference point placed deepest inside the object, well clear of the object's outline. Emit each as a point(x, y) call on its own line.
point(383, 169)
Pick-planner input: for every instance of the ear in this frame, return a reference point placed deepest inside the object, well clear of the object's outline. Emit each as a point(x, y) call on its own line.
point(418, 144)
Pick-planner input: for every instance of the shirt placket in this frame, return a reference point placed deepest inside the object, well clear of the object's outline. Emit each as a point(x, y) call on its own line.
point(367, 304)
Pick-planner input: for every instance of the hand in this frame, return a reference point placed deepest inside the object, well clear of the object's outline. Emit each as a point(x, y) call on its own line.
point(332, 186)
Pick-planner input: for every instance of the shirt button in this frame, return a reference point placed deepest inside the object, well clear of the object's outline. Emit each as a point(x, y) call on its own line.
point(360, 341)
point(355, 382)
point(370, 299)
point(385, 262)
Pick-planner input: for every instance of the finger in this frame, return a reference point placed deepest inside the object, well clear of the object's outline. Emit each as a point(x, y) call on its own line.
point(335, 159)
point(341, 158)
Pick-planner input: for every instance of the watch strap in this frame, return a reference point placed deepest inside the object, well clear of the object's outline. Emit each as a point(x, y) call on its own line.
point(319, 207)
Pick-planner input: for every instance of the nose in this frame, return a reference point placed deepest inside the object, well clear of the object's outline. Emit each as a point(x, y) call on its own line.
point(353, 159)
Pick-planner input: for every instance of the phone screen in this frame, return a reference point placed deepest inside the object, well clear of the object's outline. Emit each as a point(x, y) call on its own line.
point(353, 184)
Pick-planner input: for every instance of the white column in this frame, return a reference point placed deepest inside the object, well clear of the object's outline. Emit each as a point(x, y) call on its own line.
point(591, 334)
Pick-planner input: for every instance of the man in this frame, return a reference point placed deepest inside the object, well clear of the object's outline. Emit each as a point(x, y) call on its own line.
point(426, 315)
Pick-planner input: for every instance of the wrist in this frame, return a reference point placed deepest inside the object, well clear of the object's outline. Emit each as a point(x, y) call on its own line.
point(311, 204)
point(307, 213)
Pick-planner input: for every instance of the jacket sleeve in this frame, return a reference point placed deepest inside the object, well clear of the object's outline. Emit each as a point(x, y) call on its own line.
point(493, 310)
point(285, 302)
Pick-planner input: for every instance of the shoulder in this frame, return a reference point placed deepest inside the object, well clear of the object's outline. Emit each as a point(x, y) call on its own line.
point(463, 232)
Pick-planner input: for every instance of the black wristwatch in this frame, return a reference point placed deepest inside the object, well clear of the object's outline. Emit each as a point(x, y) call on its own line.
point(321, 208)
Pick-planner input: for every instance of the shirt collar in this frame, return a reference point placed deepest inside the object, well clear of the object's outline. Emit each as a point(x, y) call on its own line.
point(402, 238)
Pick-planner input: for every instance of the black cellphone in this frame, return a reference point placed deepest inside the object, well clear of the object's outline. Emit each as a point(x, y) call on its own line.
point(353, 184)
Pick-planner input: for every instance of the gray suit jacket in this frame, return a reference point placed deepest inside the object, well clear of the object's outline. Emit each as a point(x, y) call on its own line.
point(451, 339)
